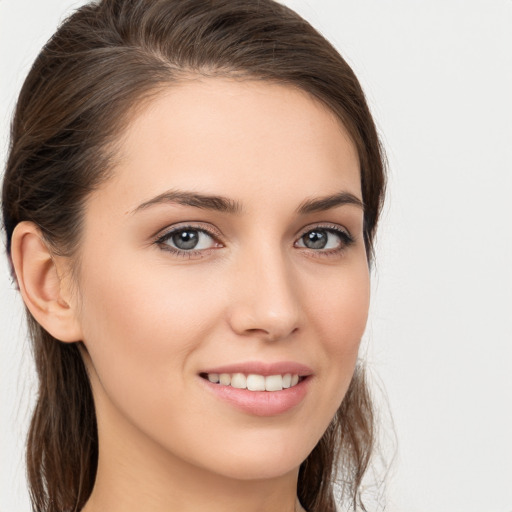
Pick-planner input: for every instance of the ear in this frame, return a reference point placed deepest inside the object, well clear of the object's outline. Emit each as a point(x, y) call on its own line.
point(45, 290)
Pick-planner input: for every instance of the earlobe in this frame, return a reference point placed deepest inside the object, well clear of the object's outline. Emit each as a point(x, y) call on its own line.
point(44, 291)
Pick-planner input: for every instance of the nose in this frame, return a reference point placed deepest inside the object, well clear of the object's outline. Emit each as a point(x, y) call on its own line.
point(266, 303)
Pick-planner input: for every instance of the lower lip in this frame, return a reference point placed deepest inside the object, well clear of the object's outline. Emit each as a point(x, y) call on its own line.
point(260, 403)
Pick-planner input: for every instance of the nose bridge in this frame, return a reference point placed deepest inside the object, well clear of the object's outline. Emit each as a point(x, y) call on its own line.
point(267, 302)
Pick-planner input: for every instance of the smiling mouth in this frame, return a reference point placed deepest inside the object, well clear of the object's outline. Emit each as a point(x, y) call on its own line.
point(254, 382)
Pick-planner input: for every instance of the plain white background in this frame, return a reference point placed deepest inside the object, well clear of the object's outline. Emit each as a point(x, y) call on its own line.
point(438, 76)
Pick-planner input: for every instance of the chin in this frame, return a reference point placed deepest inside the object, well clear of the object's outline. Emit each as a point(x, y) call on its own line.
point(263, 459)
point(269, 469)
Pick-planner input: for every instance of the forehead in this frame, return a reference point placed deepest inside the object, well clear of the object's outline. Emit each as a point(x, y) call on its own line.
point(234, 138)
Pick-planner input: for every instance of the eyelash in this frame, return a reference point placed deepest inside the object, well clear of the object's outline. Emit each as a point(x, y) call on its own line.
point(193, 253)
point(346, 240)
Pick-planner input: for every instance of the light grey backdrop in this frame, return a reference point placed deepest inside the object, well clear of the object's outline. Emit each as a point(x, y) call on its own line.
point(438, 76)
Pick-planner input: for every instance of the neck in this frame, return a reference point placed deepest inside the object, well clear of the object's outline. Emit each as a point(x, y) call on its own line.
point(127, 490)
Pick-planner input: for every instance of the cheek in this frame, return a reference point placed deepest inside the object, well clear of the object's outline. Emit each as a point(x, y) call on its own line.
point(145, 308)
point(141, 327)
point(340, 309)
point(339, 314)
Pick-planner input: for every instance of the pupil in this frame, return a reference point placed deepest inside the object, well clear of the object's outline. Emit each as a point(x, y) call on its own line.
point(185, 239)
point(315, 239)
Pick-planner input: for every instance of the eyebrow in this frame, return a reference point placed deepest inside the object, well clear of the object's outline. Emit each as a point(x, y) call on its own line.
point(226, 205)
point(195, 199)
point(328, 202)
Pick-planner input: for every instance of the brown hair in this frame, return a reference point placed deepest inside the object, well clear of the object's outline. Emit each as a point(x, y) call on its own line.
point(100, 64)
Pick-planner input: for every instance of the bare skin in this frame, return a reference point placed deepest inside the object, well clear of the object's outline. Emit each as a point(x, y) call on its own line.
point(258, 286)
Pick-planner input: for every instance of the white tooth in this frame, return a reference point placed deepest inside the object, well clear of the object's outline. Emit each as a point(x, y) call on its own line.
point(213, 377)
point(295, 379)
point(255, 382)
point(287, 380)
point(239, 380)
point(225, 379)
point(274, 383)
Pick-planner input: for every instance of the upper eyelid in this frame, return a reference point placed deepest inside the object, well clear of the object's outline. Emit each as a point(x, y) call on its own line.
point(211, 231)
point(325, 225)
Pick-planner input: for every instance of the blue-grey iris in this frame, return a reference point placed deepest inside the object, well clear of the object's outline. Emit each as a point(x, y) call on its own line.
point(315, 239)
point(186, 239)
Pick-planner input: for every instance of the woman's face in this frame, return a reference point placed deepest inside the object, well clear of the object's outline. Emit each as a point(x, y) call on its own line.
point(229, 241)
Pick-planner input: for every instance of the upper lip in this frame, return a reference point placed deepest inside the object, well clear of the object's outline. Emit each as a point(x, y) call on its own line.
point(263, 368)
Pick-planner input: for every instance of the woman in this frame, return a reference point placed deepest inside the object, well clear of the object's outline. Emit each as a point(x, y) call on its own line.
point(190, 202)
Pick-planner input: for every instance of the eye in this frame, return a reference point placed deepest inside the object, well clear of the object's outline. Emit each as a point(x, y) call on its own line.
point(325, 239)
point(187, 239)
